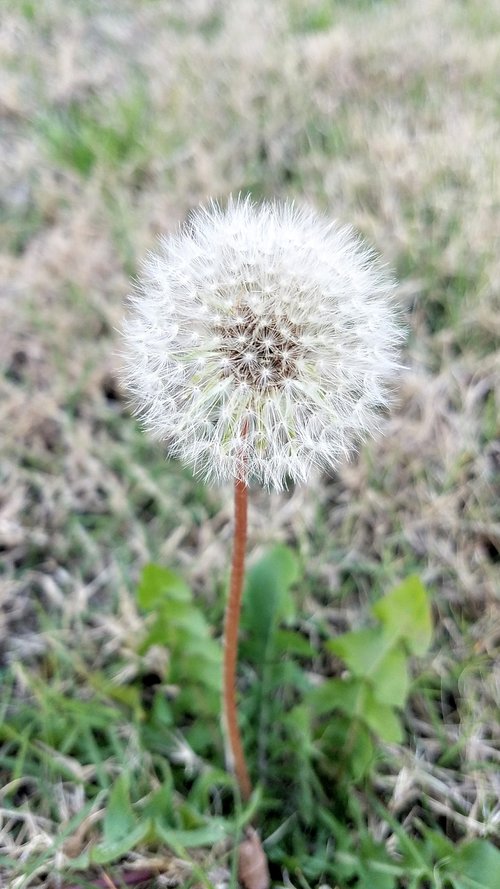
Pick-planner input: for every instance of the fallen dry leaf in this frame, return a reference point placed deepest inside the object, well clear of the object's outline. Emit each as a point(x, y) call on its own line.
point(253, 872)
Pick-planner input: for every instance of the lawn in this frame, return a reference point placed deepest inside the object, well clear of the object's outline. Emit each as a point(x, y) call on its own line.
point(117, 118)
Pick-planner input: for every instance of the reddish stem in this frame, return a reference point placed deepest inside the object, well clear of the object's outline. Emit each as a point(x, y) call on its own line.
point(235, 749)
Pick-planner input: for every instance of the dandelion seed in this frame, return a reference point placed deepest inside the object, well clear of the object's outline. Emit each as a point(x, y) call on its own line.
point(319, 308)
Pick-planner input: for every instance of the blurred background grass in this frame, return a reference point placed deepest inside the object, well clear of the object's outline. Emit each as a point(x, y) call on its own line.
point(116, 119)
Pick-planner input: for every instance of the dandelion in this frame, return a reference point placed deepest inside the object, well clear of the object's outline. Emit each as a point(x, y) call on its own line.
point(261, 343)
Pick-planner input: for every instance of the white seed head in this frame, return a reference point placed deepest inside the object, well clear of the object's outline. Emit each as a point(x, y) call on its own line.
point(261, 341)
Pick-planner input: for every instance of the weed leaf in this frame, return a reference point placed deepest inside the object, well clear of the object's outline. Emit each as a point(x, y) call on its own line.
point(389, 679)
point(405, 614)
point(382, 719)
point(267, 599)
point(106, 852)
point(479, 863)
point(119, 820)
point(212, 833)
point(361, 650)
point(158, 583)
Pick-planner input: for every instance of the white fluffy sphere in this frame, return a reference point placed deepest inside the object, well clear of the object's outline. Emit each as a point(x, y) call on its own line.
point(260, 342)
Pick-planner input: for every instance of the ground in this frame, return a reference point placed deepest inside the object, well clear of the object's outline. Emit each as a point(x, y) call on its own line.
point(117, 119)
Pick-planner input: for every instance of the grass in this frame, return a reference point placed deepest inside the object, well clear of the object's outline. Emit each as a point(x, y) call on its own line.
point(117, 120)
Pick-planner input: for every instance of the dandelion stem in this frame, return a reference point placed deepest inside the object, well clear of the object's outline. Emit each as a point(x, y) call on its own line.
point(234, 746)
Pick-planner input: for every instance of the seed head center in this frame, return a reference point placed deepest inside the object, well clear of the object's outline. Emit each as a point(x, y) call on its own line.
point(260, 350)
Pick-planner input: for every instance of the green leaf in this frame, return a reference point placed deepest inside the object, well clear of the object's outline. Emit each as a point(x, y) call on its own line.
point(405, 613)
point(180, 626)
point(267, 599)
point(436, 844)
point(119, 819)
point(479, 862)
point(159, 807)
point(157, 583)
point(372, 654)
point(293, 642)
point(361, 753)
point(121, 833)
point(161, 711)
point(200, 670)
point(212, 833)
point(356, 699)
point(389, 679)
point(184, 616)
point(338, 694)
point(360, 650)
point(106, 852)
point(382, 719)
point(346, 743)
point(376, 866)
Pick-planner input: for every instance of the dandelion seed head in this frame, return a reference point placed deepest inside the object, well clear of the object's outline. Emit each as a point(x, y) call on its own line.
point(261, 342)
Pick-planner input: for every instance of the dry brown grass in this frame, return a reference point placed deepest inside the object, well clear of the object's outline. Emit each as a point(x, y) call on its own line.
point(387, 118)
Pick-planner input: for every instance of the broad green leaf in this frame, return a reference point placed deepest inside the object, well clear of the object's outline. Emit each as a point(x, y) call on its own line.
point(356, 699)
point(479, 862)
point(361, 753)
point(346, 743)
point(382, 719)
point(267, 599)
point(338, 694)
point(184, 616)
point(119, 819)
point(372, 654)
point(180, 626)
point(361, 650)
point(436, 844)
point(389, 679)
point(200, 669)
point(157, 583)
point(405, 613)
point(201, 646)
point(156, 636)
point(292, 642)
